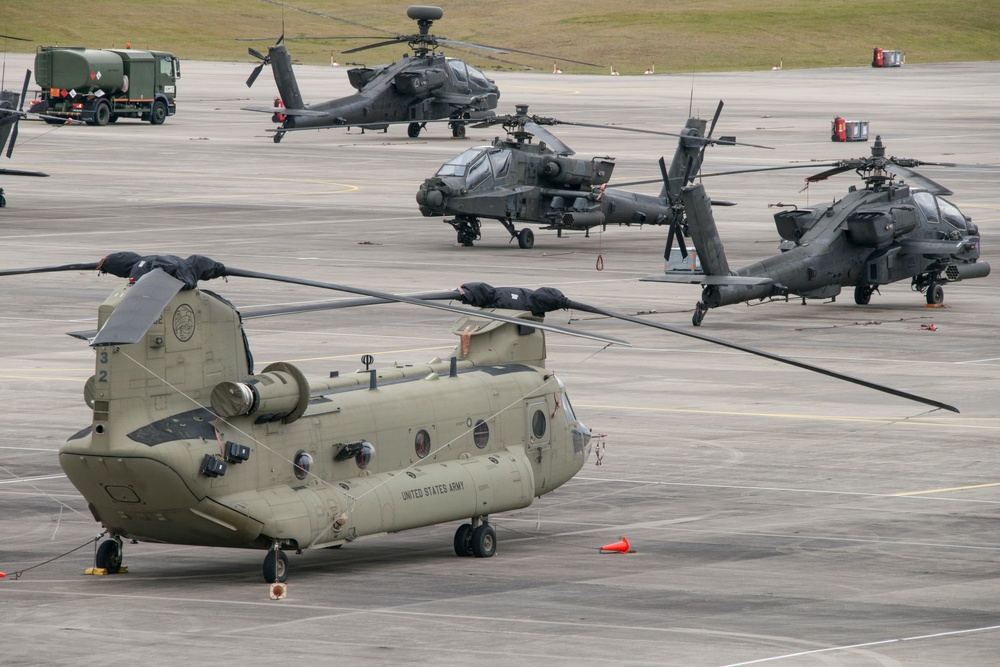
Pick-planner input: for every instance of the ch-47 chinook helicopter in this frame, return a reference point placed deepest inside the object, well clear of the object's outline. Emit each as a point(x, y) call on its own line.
point(517, 180)
point(9, 119)
point(422, 87)
point(888, 231)
point(189, 444)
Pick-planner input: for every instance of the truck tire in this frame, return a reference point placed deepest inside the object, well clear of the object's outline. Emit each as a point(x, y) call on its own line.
point(158, 113)
point(102, 113)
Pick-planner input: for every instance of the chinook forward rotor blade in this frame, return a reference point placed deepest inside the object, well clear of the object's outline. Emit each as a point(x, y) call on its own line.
point(767, 355)
point(143, 304)
point(85, 266)
point(235, 272)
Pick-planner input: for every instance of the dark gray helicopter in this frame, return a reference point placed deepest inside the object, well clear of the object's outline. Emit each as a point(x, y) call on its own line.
point(888, 231)
point(425, 86)
point(11, 113)
point(517, 180)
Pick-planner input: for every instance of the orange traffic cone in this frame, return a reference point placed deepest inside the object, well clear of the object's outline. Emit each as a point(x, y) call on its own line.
point(620, 547)
point(555, 68)
point(614, 72)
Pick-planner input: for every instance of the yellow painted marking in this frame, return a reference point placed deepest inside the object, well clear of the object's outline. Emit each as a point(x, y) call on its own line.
point(954, 488)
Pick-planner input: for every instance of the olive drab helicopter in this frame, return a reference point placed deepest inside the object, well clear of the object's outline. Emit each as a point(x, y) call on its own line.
point(517, 180)
point(190, 444)
point(11, 113)
point(425, 86)
point(890, 230)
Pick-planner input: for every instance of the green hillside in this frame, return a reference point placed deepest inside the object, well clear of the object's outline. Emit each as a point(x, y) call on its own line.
point(675, 36)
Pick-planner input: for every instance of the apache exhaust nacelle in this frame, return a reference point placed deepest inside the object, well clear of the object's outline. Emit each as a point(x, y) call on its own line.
point(188, 446)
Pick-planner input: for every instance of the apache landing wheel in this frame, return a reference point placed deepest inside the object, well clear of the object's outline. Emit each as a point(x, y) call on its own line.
point(413, 130)
point(458, 130)
point(863, 294)
point(935, 294)
point(699, 313)
point(275, 566)
point(526, 239)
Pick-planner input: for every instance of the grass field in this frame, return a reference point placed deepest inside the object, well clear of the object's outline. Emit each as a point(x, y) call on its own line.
point(675, 36)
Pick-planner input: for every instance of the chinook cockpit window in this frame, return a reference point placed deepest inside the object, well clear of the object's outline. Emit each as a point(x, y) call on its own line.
point(457, 165)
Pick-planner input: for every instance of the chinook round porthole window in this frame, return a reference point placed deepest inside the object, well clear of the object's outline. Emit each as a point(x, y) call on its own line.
point(301, 463)
point(481, 434)
point(422, 443)
point(364, 457)
point(538, 423)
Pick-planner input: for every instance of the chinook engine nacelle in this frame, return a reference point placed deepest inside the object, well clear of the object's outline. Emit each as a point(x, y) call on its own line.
point(281, 392)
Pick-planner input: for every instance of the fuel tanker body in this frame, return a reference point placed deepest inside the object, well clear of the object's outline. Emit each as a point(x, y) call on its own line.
point(99, 86)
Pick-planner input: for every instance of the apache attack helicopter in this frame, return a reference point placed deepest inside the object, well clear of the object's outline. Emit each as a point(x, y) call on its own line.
point(516, 180)
point(425, 86)
point(888, 231)
point(9, 119)
point(189, 444)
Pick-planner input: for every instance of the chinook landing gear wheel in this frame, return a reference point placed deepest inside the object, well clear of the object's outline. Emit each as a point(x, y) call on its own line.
point(275, 566)
point(863, 294)
point(413, 130)
point(109, 556)
point(526, 239)
point(935, 294)
point(463, 540)
point(484, 541)
point(699, 313)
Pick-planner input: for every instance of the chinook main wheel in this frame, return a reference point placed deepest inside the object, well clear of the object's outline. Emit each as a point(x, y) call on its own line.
point(413, 130)
point(863, 294)
point(275, 566)
point(935, 294)
point(463, 540)
point(109, 556)
point(484, 541)
point(526, 239)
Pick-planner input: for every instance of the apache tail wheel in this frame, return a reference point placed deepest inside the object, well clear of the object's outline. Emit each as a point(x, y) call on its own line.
point(484, 541)
point(935, 294)
point(463, 540)
point(526, 239)
point(275, 566)
point(863, 294)
point(159, 113)
point(699, 313)
point(413, 130)
point(109, 556)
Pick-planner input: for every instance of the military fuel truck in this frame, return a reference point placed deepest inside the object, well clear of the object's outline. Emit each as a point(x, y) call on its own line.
point(99, 86)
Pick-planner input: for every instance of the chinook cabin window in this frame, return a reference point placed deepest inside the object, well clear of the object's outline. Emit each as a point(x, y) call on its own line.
point(422, 443)
point(481, 434)
point(301, 464)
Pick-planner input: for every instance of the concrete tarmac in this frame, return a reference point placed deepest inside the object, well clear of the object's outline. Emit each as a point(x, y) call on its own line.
point(776, 516)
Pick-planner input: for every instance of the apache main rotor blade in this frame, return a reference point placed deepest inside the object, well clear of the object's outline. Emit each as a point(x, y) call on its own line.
point(504, 49)
point(230, 271)
point(373, 46)
point(552, 140)
point(919, 180)
point(766, 355)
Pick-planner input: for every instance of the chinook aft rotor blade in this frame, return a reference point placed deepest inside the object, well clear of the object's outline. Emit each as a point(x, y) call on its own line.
point(235, 272)
point(767, 355)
